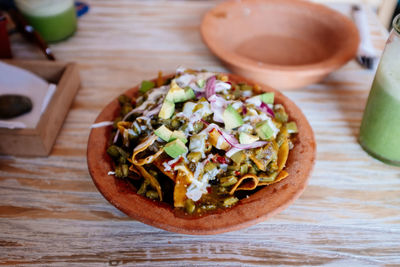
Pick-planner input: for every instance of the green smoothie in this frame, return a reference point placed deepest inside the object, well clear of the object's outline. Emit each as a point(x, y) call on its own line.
point(54, 20)
point(380, 127)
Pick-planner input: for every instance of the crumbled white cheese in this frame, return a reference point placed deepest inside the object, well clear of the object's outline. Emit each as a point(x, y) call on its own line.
point(245, 128)
point(222, 87)
point(247, 93)
point(256, 101)
point(187, 109)
point(185, 79)
point(237, 104)
point(198, 144)
point(196, 116)
point(199, 185)
point(220, 141)
point(223, 167)
point(273, 126)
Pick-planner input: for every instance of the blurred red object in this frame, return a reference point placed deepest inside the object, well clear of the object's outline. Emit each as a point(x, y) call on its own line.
point(5, 49)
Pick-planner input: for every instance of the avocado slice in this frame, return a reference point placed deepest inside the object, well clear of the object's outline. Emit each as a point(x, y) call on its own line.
point(178, 135)
point(264, 130)
point(164, 133)
point(245, 138)
point(167, 109)
point(175, 148)
point(267, 98)
point(231, 118)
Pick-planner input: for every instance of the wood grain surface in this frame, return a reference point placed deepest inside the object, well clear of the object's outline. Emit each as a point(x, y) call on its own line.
point(52, 214)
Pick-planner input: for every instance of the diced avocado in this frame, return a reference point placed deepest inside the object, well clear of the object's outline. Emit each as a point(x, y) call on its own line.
point(175, 148)
point(189, 94)
point(183, 95)
point(267, 98)
point(232, 118)
point(291, 127)
point(146, 86)
point(164, 133)
point(167, 109)
point(177, 94)
point(245, 138)
point(264, 130)
point(238, 157)
point(178, 135)
point(200, 83)
point(280, 113)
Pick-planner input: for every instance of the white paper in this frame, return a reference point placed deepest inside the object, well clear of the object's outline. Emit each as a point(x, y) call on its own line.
point(360, 19)
point(14, 80)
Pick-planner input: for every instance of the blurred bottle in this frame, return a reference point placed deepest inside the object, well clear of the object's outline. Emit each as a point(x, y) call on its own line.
point(380, 127)
point(55, 20)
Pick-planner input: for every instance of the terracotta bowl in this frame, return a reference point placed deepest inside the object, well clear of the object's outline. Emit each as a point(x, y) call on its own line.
point(286, 44)
point(258, 207)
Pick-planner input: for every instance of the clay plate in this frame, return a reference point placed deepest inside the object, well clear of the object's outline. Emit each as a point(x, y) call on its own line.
point(286, 44)
point(258, 207)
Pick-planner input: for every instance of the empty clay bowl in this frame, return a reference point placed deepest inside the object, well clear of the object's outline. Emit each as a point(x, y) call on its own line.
point(286, 44)
point(257, 207)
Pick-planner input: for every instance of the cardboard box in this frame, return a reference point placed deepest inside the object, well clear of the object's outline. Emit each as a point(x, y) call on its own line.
point(40, 140)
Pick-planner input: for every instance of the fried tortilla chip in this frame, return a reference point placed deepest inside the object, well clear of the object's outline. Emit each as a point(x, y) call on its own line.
point(183, 179)
point(247, 182)
point(283, 154)
point(142, 147)
point(158, 162)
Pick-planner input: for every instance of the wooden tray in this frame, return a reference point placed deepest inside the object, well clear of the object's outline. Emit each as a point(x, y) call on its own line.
point(40, 140)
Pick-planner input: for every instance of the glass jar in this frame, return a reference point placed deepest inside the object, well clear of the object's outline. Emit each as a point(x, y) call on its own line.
point(54, 20)
point(380, 127)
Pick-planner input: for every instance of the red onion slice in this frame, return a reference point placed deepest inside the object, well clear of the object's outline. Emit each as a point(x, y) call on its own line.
point(264, 108)
point(210, 86)
point(232, 140)
point(218, 106)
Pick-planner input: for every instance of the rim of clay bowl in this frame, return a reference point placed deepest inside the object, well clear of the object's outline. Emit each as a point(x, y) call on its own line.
point(340, 57)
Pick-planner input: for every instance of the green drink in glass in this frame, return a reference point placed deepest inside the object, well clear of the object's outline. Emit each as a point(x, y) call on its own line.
point(55, 20)
point(380, 127)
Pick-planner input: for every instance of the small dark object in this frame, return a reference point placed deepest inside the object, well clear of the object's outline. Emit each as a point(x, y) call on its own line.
point(14, 105)
point(81, 8)
point(5, 49)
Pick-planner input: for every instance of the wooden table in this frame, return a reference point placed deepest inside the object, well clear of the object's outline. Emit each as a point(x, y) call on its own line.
point(52, 214)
